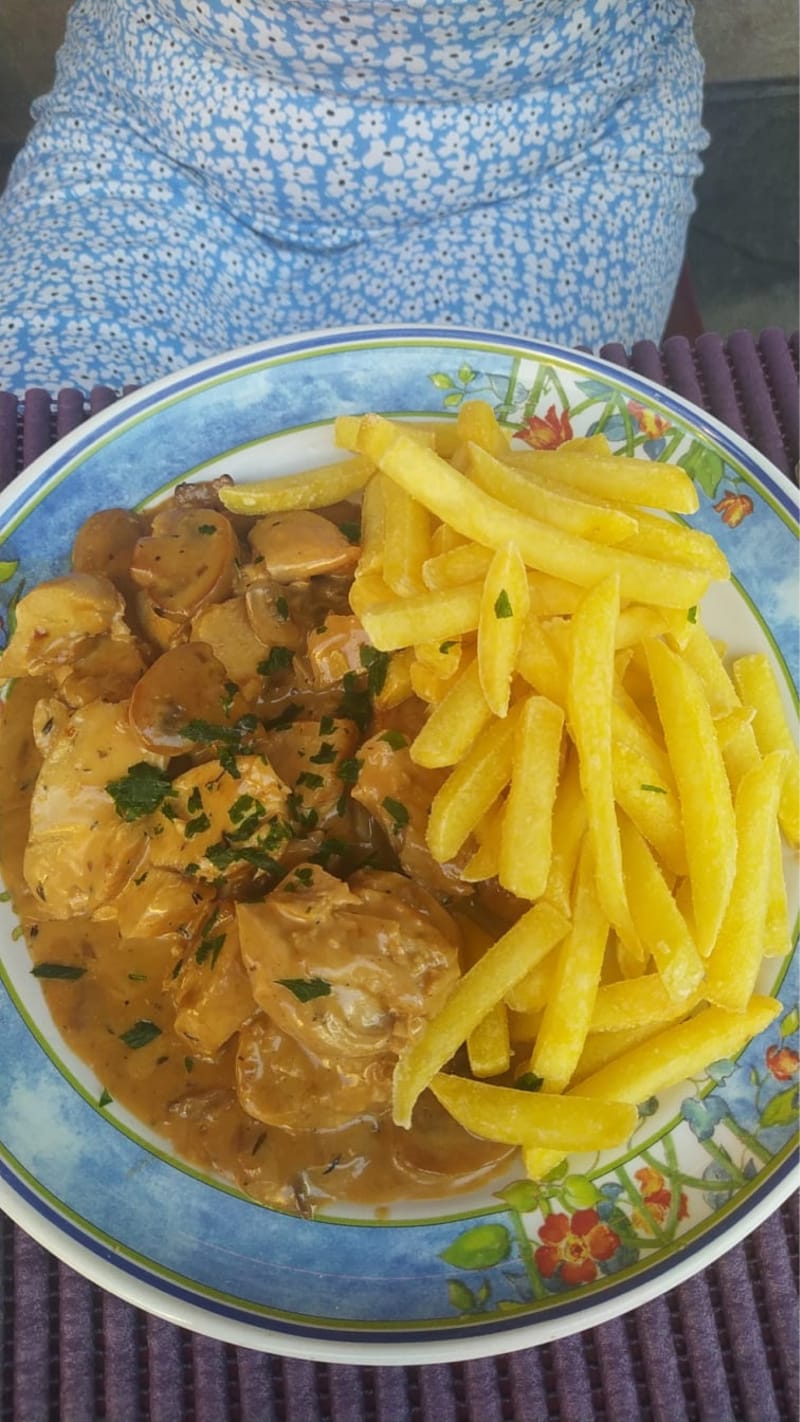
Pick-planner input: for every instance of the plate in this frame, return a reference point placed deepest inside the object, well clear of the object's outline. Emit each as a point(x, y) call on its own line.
point(520, 1263)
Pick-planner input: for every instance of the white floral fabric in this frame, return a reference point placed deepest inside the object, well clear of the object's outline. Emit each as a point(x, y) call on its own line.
point(206, 173)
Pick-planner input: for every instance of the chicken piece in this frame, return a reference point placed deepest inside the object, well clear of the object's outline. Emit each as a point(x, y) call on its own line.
point(221, 825)
point(157, 902)
point(351, 971)
point(398, 794)
point(60, 619)
point(300, 545)
point(80, 852)
point(104, 544)
point(211, 991)
point(107, 669)
point(308, 759)
point(334, 649)
point(226, 628)
point(186, 687)
point(187, 561)
point(282, 1084)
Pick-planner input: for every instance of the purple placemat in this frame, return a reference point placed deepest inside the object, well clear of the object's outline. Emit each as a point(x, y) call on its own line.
point(722, 1347)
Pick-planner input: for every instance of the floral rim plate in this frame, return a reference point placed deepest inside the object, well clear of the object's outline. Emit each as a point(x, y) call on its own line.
point(466, 1276)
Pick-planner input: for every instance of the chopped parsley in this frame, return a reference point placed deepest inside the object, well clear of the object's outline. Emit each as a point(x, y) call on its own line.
point(356, 703)
point(199, 825)
point(244, 806)
point(227, 760)
point(445, 646)
point(310, 779)
point(67, 972)
point(349, 770)
point(398, 812)
point(137, 977)
point(278, 660)
point(351, 531)
point(195, 801)
point(188, 1063)
point(692, 613)
point(654, 789)
point(288, 715)
point(282, 608)
point(325, 755)
point(306, 989)
point(141, 791)
point(377, 665)
point(529, 1081)
point(502, 605)
point(140, 1034)
point(395, 739)
point(206, 528)
point(330, 847)
point(305, 875)
point(105, 1098)
point(230, 691)
point(209, 948)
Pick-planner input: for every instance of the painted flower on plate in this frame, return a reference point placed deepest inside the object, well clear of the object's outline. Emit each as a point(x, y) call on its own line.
point(573, 1246)
point(657, 1200)
point(547, 432)
point(783, 1062)
point(733, 508)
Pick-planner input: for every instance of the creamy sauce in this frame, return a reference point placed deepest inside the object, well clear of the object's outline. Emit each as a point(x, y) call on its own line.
point(192, 1101)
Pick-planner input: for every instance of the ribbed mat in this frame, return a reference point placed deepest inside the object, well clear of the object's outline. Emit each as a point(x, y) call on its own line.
point(722, 1347)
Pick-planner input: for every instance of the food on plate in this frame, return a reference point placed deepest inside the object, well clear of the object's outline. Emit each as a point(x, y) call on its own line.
point(369, 822)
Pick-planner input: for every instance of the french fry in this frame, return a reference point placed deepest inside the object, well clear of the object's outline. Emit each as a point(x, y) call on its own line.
point(426, 684)
point(777, 934)
point(736, 955)
point(485, 861)
point(657, 919)
point(443, 658)
point(569, 827)
point(503, 1113)
point(478, 516)
point(373, 525)
point(406, 540)
point(616, 478)
point(703, 790)
point(375, 434)
point(443, 540)
point(701, 654)
point(758, 687)
point(601, 1048)
point(489, 1044)
point(540, 664)
point(471, 789)
point(679, 1051)
point(526, 840)
point(661, 538)
point(443, 614)
point(530, 995)
point(504, 608)
point(455, 722)
point(465, 563)
point(476, 423)
point(551, 596)
point(368, 590)
point(597, 521)
point(589, 700)
point(397, 686)
point(638, 1002)
point(502, 965)
point(576, 979)
point(312, 489)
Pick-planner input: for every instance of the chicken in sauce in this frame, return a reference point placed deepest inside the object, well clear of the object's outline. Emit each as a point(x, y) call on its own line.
point(214, 838)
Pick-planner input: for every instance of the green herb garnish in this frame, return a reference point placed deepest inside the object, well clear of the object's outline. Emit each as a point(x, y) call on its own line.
point(141, 791)
point(395, 739)
point(65, 971)
point(105, 1098)
point(325, 755)
point(310, 779)
point(529, 1081)
point(377, 665)
point(349, 770)
point(282, 608)
point(398, 812)
point(502, 605)
point(655, 789)
point(206, 528)
point(140, 1034)
point(306, 989)
point(278, 660)
point(351, 531)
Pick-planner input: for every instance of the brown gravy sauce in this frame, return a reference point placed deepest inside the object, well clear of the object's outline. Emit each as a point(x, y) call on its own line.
point(193, 1102)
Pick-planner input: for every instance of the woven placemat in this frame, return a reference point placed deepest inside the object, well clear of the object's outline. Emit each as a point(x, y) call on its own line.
point(722, 1347)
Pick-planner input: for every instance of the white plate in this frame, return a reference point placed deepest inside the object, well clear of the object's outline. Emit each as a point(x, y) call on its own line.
point(457, 1278)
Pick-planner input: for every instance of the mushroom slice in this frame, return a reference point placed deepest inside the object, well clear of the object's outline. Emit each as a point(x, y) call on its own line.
point(300, 545)
point(310, 763)
point(282, 1084)
point(334, 648)
point(187, 684)
point(187, 562)
point(226, 628)
point(105, 543)
point(55, 619)
point(108, 669)
point(270, 615)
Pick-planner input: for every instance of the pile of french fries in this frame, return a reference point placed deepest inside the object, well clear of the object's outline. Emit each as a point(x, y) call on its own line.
point(602, 764)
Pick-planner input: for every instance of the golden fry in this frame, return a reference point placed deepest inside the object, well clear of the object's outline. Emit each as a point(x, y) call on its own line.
point(502, 965)
point(759, 688)
point(442, 614)
point(569, 827)
point(703, 790)
point(477, 423)
point(526, 842)
point(597, 521)
point(489, 1044)
point(455, 722)
point(313, 489)
point(505, 1113)
point(472, 788)
point(406, 540)
point(504, 608)
point(616, 478)
point(657, 919)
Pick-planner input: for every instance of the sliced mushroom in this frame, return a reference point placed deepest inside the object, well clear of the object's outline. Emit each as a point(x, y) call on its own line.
point(334, 648)
point(105, 543)
point(211, 990)
point(55, 619)
point(187, 562)
point(282, 1084)
point(226, 628)
point(108, 669)
point(158, 631)
point(300, 545)
point(188, 683)
point(270, 615)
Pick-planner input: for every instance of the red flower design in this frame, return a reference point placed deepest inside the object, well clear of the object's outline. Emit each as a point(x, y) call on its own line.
point(574, 1246)
point(651, 424)
point(732, 508)
point(782, 1062)
point(657, 1198)
point(547, 433)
